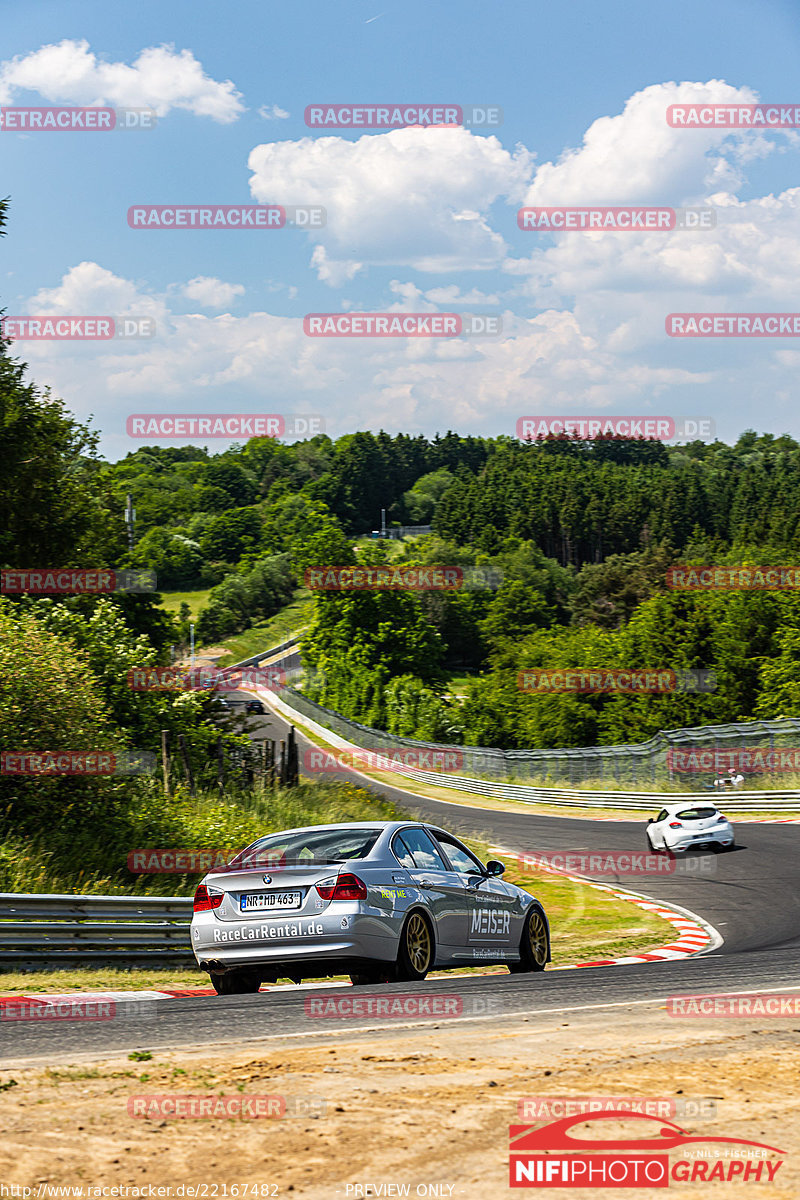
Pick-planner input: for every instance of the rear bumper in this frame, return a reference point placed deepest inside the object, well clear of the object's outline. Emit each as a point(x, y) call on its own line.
point(311, 968)
point(721, 837)
point(306, 942)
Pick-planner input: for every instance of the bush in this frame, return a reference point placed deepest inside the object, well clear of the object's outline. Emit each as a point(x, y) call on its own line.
point(243, 599)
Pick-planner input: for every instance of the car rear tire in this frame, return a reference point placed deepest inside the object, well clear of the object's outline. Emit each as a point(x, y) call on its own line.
point(534, 947)
point(415, 953)
point(236, 983)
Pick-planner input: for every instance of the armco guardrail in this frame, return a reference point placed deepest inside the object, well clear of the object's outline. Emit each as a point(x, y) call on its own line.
point(492, 770)
point(642, 801)
point(40, 931)
point(273, 652)
point(671, 756)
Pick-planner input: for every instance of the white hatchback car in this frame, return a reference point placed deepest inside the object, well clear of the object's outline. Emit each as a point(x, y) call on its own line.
point(680, 827)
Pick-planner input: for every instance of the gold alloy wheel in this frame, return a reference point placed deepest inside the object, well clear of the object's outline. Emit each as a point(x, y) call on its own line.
point(537, 937)
point(418, 943)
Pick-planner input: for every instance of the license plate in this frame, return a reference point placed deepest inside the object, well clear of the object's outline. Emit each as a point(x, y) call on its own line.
point(254, 900)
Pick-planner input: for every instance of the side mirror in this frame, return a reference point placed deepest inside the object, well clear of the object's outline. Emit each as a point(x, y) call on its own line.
point(650, 822)
point(493, 867)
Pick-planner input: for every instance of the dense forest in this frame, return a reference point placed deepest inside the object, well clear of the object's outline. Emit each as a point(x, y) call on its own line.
point(581, 533)
point(579, 536)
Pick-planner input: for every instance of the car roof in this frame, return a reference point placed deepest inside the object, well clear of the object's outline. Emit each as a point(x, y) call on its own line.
point(674, 806)
point(379, 825)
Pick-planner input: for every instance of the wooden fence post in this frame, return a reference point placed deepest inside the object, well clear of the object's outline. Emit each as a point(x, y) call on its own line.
point(186, 763)
point(165, 759)
point(220, 766)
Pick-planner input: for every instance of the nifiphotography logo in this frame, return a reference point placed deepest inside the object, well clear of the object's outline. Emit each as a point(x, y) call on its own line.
point(656, 1154)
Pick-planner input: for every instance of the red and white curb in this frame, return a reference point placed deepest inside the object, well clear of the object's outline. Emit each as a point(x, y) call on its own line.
point(119, 997)
point(696, 935)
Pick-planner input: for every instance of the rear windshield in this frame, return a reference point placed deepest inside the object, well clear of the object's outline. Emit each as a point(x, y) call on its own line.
point(307, 848)
point(696, 814)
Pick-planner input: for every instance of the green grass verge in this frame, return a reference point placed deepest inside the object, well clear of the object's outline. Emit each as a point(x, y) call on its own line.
point(457, 683)
point(291, 619)
point(195, 599)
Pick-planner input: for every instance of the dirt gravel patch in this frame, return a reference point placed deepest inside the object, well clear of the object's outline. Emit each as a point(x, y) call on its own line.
point(427, 1107)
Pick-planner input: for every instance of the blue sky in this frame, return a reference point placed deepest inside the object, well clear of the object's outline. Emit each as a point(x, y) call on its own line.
point(422, 220)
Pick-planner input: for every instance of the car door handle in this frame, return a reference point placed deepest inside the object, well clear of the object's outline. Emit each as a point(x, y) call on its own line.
point(425, 883)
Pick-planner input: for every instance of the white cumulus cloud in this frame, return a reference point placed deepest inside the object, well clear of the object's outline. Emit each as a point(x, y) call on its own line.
point(161, 78)
point(635, 157)
point(416, 197)
point(211, 293)
point(271, 112)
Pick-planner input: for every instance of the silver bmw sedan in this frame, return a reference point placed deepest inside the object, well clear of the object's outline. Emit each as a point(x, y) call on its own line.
point(380, 901)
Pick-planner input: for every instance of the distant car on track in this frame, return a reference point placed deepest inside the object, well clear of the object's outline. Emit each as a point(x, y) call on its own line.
point(380, 901)
point(681, 827)
point(255, 706)
point(221, 708)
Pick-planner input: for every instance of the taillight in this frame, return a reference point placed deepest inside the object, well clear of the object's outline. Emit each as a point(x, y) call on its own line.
point(207, 898)
point(675, 825)
point(721, 818)
point(342, 887)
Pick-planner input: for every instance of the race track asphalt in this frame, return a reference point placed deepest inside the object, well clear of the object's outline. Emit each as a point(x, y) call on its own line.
point(750, 896)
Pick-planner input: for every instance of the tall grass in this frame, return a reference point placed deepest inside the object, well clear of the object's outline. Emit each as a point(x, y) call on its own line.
point(87, 851)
